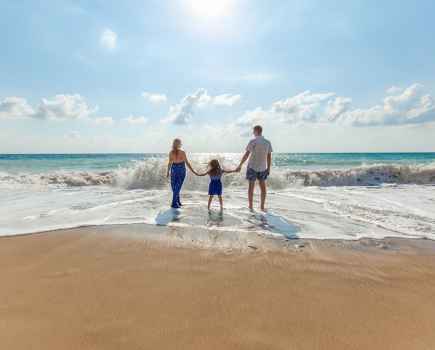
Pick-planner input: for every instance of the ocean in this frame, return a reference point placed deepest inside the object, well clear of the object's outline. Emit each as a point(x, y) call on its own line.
point(319, 196)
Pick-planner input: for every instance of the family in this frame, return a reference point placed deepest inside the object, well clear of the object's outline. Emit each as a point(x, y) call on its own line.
point(259, 153)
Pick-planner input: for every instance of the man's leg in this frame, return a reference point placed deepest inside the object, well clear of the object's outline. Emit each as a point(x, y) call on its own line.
point(263, 193)
point(251, 194)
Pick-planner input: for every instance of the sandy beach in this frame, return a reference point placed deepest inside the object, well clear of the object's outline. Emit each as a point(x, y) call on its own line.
point(91, 288)
point(217, 174)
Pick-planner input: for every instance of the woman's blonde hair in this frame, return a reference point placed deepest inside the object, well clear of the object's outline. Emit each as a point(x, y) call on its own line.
point(176, 144)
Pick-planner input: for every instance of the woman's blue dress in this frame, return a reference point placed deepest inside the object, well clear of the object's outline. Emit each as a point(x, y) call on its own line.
point(178, 174)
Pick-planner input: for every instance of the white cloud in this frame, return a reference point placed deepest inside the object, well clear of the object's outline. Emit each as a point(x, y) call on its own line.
point(394, 90)
point(337, 107)
point(108, 39)
point(410, 106)
point(226, 100)
point(155, 98)
point(59, 107)
point(103, 121)
point(308, 107)
point(253, 117)
point(400, 107)
point(15, 107)
point(182, 112)
point(136, 120)
point(63, 107)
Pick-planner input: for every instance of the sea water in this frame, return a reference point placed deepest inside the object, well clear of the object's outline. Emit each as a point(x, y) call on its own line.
point(324, 196)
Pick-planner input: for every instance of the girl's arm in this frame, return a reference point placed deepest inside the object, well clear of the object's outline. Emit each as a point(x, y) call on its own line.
point(169, 164)
point(202, 174)
point(229, 171)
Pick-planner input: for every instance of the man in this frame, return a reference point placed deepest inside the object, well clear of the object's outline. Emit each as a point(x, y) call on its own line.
point(259, 151)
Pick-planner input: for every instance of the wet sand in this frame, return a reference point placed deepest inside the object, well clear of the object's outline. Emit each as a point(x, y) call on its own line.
point(92, 288)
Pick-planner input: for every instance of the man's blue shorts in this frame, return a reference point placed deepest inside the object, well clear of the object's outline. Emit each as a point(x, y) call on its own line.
point(253, 175)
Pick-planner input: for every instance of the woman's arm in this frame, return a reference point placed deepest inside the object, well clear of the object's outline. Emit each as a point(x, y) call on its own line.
point(170, 161)
point(188, 164)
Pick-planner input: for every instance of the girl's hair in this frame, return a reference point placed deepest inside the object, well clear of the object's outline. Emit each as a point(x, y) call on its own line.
point(214, 168)
point(176, 144)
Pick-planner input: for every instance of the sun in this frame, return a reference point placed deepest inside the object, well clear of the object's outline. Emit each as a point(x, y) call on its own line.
point(211, 9)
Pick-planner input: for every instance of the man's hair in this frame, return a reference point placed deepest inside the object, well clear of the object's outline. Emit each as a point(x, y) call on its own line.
point(258, 129)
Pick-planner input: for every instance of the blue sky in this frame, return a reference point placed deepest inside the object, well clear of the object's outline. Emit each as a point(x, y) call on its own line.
point(111, 76)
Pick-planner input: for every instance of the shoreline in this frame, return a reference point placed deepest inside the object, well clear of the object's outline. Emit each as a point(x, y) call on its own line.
point(112, 288)
point(156, 233)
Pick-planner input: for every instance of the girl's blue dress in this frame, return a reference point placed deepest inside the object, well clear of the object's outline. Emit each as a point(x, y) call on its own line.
point(215, 186)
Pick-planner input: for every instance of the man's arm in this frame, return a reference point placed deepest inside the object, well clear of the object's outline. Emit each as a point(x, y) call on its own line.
point(244, 159)
point(269, 162)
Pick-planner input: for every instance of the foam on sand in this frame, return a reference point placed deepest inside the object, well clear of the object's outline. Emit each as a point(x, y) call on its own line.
point(349, 203)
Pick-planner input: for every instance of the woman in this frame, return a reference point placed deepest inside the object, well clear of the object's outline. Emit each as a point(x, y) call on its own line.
point(177, 167)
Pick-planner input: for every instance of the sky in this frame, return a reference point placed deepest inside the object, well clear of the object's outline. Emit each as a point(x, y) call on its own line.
point(129, 76)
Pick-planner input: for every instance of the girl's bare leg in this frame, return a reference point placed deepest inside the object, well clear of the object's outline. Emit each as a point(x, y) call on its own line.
point(210, 198)
point(221, 203)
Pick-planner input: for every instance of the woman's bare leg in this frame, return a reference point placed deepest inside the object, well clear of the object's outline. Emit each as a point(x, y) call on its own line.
point(210, 198)
point(221, 203)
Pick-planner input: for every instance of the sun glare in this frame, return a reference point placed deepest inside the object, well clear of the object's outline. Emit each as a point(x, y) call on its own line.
point(209, 9)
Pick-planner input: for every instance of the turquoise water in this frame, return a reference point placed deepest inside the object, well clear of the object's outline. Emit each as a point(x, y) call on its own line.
point(37, 163)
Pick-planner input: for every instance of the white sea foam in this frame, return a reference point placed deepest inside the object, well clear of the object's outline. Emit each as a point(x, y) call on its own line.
point(150, 174)
point(369, 201)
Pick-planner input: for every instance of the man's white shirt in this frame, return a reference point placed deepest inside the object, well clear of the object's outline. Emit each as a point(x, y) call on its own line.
point(259, 149)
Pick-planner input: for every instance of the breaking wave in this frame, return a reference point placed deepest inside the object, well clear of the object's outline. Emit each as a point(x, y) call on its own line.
point(367, 176)
point(151, 174)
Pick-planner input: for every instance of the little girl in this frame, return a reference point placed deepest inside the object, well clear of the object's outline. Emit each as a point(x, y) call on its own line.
point(215, 172)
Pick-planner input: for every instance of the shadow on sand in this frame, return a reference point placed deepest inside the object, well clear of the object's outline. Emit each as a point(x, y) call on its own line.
point(266, 221)
point(163, 218)
point(275, 224)
point(215, 218)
